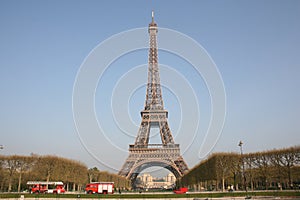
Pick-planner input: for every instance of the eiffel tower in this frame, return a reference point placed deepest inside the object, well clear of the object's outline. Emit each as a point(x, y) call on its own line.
point(143, 155)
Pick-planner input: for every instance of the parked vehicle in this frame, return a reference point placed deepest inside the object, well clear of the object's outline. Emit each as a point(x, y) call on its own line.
point(100, 188)
point(53, 187)
point(181, 190)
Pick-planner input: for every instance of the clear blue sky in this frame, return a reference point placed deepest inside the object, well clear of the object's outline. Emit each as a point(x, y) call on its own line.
point(255, 45)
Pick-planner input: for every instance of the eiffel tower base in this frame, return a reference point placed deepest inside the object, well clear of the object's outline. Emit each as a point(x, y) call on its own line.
point(142, 157)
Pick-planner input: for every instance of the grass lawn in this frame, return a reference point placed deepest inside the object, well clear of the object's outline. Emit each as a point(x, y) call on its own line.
point(160, 195)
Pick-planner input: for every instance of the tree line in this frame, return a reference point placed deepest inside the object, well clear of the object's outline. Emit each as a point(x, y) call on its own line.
point(16, 170)
point(275, 169)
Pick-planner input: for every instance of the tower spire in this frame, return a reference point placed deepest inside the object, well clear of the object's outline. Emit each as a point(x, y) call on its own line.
point(152, 14)
point(153, 25)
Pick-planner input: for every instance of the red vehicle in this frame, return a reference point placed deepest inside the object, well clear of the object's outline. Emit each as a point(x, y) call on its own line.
point(100, 188)
point(181, 190)
point(46, 187)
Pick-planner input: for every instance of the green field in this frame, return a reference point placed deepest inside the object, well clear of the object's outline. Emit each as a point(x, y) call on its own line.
point(159, 195)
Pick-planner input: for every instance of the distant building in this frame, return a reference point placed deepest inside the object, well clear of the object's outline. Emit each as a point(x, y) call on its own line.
point(146, 181)
point(146, 178)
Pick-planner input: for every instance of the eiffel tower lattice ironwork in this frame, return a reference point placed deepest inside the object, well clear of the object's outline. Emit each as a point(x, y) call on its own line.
point(143, 155)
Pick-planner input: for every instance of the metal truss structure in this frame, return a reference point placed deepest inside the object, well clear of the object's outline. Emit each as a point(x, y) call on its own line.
point(143, 155)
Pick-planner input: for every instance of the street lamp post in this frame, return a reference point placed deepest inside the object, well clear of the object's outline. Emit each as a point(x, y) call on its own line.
point(243, 165)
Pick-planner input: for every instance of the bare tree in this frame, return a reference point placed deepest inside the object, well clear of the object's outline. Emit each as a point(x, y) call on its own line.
point(23, 165)
point(11, 164)
point(92, 174)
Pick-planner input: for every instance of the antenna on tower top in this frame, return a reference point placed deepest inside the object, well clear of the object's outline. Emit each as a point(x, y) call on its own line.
point(152, 16)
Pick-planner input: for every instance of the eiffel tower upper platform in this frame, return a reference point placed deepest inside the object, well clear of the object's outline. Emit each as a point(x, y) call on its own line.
point(143, 155)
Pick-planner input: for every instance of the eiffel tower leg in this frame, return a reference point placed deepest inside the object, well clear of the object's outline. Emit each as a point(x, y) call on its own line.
point(127, 166)
point(143, 134)
point(165, 133)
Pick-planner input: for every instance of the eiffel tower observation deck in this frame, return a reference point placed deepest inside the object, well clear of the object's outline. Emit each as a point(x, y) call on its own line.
point(143, 155)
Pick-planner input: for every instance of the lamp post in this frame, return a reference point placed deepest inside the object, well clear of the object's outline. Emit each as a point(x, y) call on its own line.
point(243, 165)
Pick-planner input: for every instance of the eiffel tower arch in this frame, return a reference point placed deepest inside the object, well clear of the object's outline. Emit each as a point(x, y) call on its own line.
point(143, 155)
